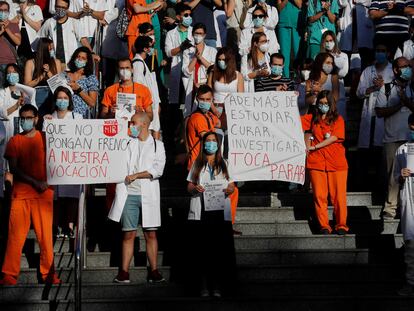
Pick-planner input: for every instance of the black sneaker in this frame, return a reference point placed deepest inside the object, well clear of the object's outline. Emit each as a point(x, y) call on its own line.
point(122, 277)
point(341, 231)
point(155, 276)
point(324, 231)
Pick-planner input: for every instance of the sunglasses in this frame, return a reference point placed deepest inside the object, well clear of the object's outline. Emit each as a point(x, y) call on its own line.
point(187, 15)
point(259, 16)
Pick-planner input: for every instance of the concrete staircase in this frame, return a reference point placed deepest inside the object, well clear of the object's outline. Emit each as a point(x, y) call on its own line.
point(282, 264)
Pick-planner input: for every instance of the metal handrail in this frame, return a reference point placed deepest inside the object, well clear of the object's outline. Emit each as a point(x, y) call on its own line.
point(80, 249)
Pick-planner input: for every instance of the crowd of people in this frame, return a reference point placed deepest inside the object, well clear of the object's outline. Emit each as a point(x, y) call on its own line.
point(181, 59)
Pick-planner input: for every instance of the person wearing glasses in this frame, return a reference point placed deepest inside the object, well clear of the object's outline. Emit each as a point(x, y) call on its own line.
point(32, 200)
point(395, 104)
point(272, 20)
point(260, 18)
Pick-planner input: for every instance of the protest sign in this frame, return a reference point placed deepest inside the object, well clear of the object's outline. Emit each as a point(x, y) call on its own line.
point(265, 137)
point(410, 157)
point(214, 197)
point(86, 151)
point(125, 105)
point(58, 80)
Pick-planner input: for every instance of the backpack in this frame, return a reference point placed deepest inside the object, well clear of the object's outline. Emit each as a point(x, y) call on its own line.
point(122, 24)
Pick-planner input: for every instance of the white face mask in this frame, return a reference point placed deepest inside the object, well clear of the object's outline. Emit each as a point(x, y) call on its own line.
point(198, 39)
point(327, 68)
point(125, 74)
point(264, 47)
point(329, 46)
point(305, 74)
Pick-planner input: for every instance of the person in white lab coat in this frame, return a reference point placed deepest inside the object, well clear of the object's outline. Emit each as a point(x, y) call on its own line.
point(144, 46)
point(260, 17)
point(403, 174)
point(212, 244)
point(371, 128)
point(408, 47)
point(272, 15)
point(140, 194)
point(196, 61)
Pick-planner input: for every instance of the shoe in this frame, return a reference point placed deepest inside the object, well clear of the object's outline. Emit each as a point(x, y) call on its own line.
point(341, 231)
point(324, 231)
point(204, 293)
point(216, 293)
point(155, 276)
point(71, 234)
point(8, 280)
point(406, 291)
point(236, 232)
point(122, 277)
point(387, 216)
point(52, 280)
point(59, 233)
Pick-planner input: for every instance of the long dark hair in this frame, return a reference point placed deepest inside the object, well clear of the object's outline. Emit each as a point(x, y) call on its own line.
point(88, 69)
point(219, 165)
point(315, 74)
point(253, 50)
point(230, 73)
point(42, 57)
point(67, 92)
point(336, 49)
point(332, 114)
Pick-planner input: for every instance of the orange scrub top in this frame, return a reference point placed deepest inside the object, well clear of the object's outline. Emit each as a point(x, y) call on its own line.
point(143, 95)
point(197, 124)
point(31, 159)
point(135, 19)
point(330, 158)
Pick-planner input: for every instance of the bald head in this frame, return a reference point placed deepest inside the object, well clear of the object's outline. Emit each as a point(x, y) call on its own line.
point(141, 119)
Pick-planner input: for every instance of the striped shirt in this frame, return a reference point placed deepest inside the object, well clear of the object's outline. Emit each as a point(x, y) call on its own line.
point(267, 84)
point(395, 22)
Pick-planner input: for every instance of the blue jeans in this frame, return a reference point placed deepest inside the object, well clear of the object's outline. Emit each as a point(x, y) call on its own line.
point(211, 42)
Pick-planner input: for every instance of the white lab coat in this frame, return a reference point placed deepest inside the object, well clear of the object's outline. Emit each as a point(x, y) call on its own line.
point(246, 41)
point(87, 23)
point(71, 32)
point(406, 194)
point(209, 54)
point(368, 108)
point(172, 41)
point(149, 79)
point(365, 26)
point(408, 50)
point(151, 159)
point(270, 22)
point(195, 202)
point(246, 68)
point(342, 63)
point(110, 39)
point(34, 12)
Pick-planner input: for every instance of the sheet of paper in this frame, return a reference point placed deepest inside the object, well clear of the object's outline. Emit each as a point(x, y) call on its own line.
point(58, 80)
point(410, 157)
point(125, 105)
point(214, 197)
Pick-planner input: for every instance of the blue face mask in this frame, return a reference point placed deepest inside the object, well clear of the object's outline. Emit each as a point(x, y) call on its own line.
point(204, 106)
point(411, 138)
point(52, 53)
point(62, 104)
point(380, 57)
point(80, 63)
point(211, 147)
point(323, 108)
point(26, 124)
point(276, 70)
point(151, 52)
point(222, 64)
point(258, 22)
point(135, 131)
point(4, 16)
point(406, 73)
point(12, 78)
point(187, 21)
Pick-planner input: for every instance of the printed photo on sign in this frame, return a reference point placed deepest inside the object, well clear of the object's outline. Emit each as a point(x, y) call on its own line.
point(125, 105)
point(214, 196)
point(265, 137)
point(86, 151)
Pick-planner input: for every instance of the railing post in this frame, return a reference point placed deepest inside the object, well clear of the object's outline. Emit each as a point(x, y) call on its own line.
point(80, 249)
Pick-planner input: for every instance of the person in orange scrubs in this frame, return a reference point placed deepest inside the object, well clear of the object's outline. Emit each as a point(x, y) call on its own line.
point(32, 200)
point(138, 12)
point(326, 161)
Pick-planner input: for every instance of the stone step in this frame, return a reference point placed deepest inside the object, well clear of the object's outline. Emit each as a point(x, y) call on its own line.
point(304, 227)
point(251, 289)
point(269, 214)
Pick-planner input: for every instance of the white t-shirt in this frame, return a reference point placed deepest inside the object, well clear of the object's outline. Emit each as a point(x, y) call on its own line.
point(395, 126)
point(134, 188)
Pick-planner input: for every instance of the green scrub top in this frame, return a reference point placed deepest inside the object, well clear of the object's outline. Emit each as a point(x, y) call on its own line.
point(289, 16)
point(315, 29)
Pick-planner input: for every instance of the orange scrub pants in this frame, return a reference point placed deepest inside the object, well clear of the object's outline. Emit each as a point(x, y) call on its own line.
point(334, 184)
point(22, 212)
point(234, 200)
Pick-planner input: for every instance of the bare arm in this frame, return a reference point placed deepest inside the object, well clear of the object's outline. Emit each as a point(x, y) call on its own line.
point(377, 14)
point(193, 4)
point(387, 111)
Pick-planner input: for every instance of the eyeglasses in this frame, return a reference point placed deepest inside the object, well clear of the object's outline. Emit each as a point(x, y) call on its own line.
point(259, 16)
point(187, 14)
point(264, 41)
point(26, 118)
